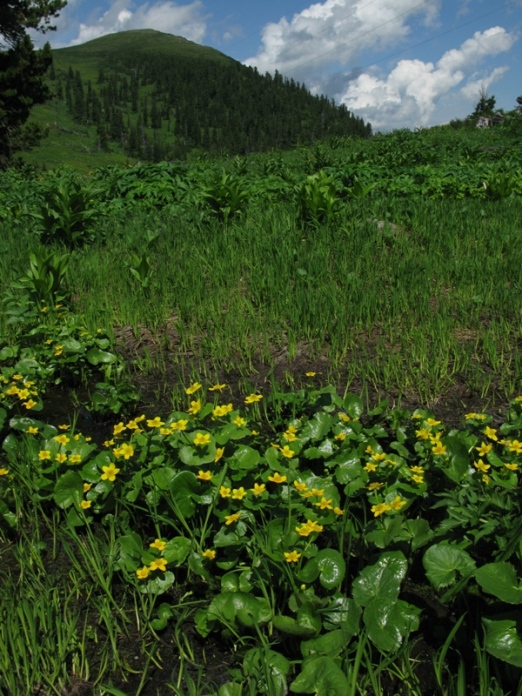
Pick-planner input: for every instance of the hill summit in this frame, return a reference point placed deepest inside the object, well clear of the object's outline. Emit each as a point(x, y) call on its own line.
point(157, 96)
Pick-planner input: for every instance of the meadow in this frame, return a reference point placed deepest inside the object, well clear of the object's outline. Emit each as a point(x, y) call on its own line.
point(261, 422)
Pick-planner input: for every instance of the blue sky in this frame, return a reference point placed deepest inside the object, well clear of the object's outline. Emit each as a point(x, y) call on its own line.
point(396, 63)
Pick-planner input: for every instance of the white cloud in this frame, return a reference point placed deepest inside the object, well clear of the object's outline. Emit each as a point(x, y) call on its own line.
point(336, 30)
point(408, 96)
point(166, 16)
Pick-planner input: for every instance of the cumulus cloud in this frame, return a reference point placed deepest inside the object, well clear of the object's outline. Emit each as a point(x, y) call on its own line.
point(167, 16)
point(409, 94)
point(336, 30)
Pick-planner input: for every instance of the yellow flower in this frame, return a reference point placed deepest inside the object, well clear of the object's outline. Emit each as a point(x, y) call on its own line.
point(397, 503)
point(219, 453)
point(417, 469)
point(230, 519)
point(277, 478)
point(418, 479)
point(62, 457)
point(238, 493)
point(253, 398)
point(86, 504)
point(309, 528)
point(165, 431)
point(374, 486)
point(258, 488)
point(344, 417)
point(193, 388)
point(423, 434)
point(202, 439)
point(291, 429)
point(290, 437)
point(432, 422)
point(44, 454)
point(209, 553)
point(380, 509)
point(158, 544)
point(439, 448)
point(204, 475)
point(118, 428)
point(485, 479)
point(484, 449)
point(154, 422)
point(76, 459)
point(23, 393)
point(240, 422)
point(254, 432)
point(30, 404)
point(515, 446)
point(300, 486)
point(64, 426)
point(369, 449)
point(217, 387)
point(143, 573)
point(287, 452)
point(224, 492)
point(127, 450)
point(32, 430)
point(58, 350)
point(17, 377)
point(292, 556)
point(222, 410)
point(179, 425)
point(195, 407)
point(12, 391)
point(378, 457)
point(481, 466)
point(317, 492)
point(324, 504)
point(62, 439)
point(370, 467)
point(512, 467)
point(109, 473)
point(108, 443)
point(338, 511)
point(340, 437)
point(158, 564)
point(310, 374)
point(87, 487)
point(4, 472)
point(132, 425)
point(491, 433)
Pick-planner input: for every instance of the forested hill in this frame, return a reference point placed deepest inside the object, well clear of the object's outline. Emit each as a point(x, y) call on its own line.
point(156, 96)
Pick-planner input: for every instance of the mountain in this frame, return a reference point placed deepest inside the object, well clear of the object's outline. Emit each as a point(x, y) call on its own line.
point(147, 95)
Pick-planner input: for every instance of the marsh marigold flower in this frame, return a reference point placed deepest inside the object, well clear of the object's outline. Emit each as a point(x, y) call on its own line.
point(118, 428)
point(484, 449)
point(29, 404)
point(439, 448)
point(277, 478)
point(210, 554)
point(217, 387)
point(109, 473)
point(127, 450)
point(44, 454)
point(225, 492)
point(491, 433)
point(201, 439)
point(158, 544)
point(238, 493)
point(287, 452)
point(240, 422)
point(158, 564)
point(219, 453)
point(32, 430)
point(258, 488)
point(4, 472)
point(204, 475)
point(230, 519)
point(155, 422)
point(292, 556)
point(380, 509)
point(253, 398)
point(196, 386)
point(195, 407)
point(85, 504)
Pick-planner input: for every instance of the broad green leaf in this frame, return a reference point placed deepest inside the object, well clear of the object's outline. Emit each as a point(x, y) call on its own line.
point(182, 488)
point(382, 579)
point(307, 624)
point(328, 644)
point(177, 550)
point(321, 676)
point(316, 428)
point(328, 565)
point(244, 457)
point(68, 489)
point(502, 639)
point(389, 621)
point(269, 668)
point(7, 515)
point(348, 467)
point(164, 613)
point(230, 689)
point(500, 580)
point(342, 612)
point(96, 356)
point(443, 561)
point(353, 406)
point(130, 549)
point(159, 584)
point(239, 609)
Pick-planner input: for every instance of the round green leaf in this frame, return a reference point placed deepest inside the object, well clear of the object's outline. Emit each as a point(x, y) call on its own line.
point(68, 489)
point(321, 676)
point(443, 561)
point(502, 640)
point(500, 580)
point(382, 579)
point(328, 565)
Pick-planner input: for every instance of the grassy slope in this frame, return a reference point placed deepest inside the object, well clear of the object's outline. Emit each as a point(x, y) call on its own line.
point(73, 145)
